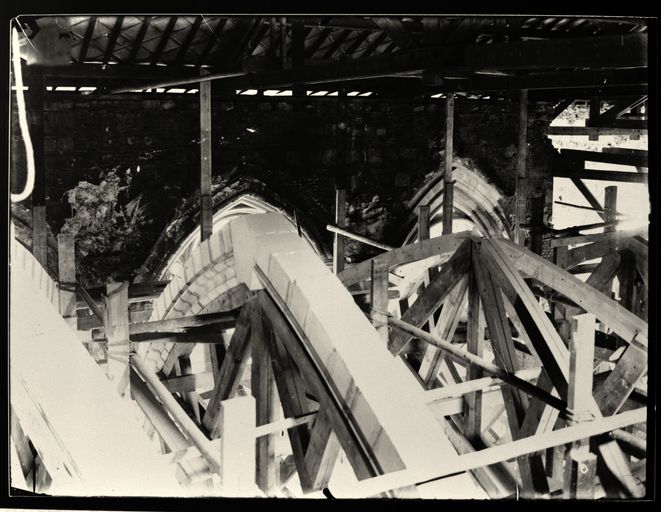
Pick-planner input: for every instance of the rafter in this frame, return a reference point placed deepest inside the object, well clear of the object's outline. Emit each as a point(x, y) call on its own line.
point(112, 39)
point(137, 42)
point(190, 35)
point(87, 39)
point(165, 37)
point(318, 41)
point(335, 44)
point(213, 39)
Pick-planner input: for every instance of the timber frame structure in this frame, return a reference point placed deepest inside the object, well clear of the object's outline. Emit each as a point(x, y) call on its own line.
point(543, 394)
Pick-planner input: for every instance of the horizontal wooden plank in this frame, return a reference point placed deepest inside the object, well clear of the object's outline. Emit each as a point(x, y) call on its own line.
point(574, 131)
point(185, 383)
point(499, 453)
point(438, 246)
point(600, 175)
point(638, 159)
point(225, 319)
point(598, 237)
point(87, 323)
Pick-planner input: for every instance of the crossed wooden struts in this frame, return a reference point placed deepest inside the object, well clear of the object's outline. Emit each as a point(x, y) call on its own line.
point(493, 281)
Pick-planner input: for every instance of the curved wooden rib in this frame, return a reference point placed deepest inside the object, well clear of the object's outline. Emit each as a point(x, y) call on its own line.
point(440, 246)
point(625, 324)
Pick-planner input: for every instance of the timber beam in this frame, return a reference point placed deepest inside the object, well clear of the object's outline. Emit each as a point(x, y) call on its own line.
point(610, 52)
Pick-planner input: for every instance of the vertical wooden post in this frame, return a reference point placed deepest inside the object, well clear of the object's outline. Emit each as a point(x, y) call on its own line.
point(116, 327)
point(340, 222)
point(423, 222)
point(283, 42)
point(36, 121)
point(298, 57)
point(206, 207)
point(610, 207)
point(580, 466)
point(40, 235)
point(581, 354)
point(520, 199)
point(474, 345)
point(379, 298)
point(191, 397)
point(537, 224)
point(593, 115)
point(237, 450)
point(261, 387)
point(556, 457)
point(273, 42)
point(66, 262)
point(448, 183)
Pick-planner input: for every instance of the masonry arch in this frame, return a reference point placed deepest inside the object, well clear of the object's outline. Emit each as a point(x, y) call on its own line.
point(477, 204)
point(245, 197)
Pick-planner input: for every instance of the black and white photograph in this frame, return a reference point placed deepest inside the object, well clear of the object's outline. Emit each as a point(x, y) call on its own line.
point(315, 256)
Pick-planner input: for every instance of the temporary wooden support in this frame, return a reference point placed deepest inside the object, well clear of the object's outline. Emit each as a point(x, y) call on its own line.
point(294, 404)
point(166, 428)
point(580, 465)
point(593, 115)
point(598, 237)
point(66, 262)
point(360, 460)
point(593, 201)
point(578, 131)
point(359, 238)
point(610, 207)
point(231, 370)
point(433, 296)
point(424, 214)
point(440, 246)
point(520, 197)
point(262, 388)
point(116, 327)
point(223, 320)
point(379, 298)
point(453, 306)
point(624, 323)
point(628, 157)
point(543, 336)
point(489, 368)
point(191, 397)
point(340, 221)
point(499, 453)
point(492, 479)
point(322, 451)
point(581, 360)
point(237, 450)
point(188, 427)
point(39, 235)
point(600, 175)
point(185, 383)
point(206, 206)
point(448, 182)
point(488, 273)
point(475, 345)
point(618, 386)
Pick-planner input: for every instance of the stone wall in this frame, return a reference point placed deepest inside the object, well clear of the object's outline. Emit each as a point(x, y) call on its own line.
point(296, 150)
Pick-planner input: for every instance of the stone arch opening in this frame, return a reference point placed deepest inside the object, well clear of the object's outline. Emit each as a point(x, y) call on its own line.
point(477, 204)
point(247, 203)
point(230, 200)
